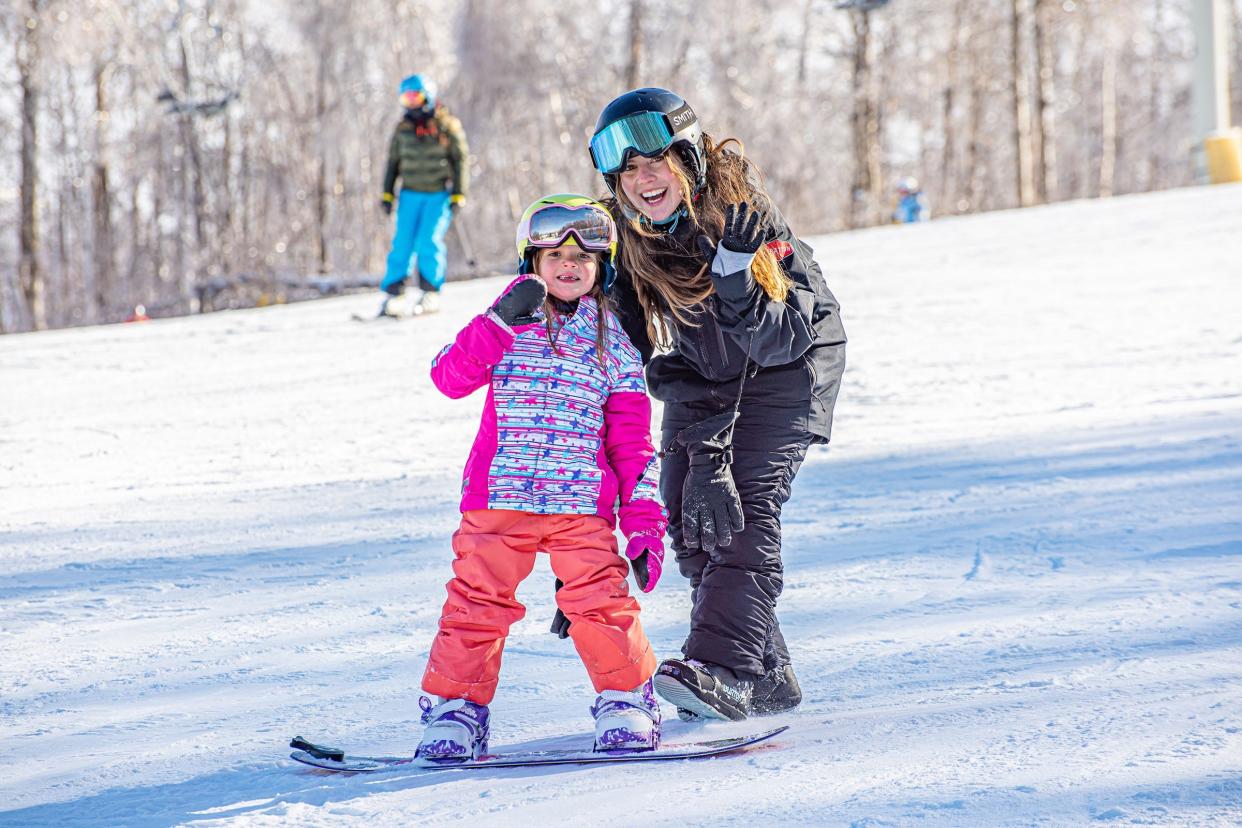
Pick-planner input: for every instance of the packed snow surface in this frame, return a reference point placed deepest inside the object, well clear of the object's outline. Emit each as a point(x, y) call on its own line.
point(1013, 591)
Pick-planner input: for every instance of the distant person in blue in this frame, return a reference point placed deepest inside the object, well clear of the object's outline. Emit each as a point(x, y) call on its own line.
point(911, 204)
point(428, 153)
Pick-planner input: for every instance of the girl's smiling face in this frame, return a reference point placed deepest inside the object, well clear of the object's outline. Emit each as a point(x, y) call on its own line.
point(568, 271)
point(651, 185)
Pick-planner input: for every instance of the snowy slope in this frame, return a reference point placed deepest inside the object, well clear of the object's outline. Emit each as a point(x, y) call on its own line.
point(1014, 590)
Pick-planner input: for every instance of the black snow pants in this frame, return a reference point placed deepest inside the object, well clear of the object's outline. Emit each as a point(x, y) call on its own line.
point(734, 589)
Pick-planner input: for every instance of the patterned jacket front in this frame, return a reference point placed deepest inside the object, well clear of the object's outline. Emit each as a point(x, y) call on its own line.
point(561, 432)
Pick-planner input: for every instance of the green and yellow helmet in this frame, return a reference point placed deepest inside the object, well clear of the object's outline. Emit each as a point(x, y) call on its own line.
point(568, 218)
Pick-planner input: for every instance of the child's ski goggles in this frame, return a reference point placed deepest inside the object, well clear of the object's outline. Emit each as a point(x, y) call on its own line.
point(589, 224)
point(647, 133)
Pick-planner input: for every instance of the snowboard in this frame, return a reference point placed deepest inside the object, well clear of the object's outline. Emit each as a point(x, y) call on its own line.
point(337, 760)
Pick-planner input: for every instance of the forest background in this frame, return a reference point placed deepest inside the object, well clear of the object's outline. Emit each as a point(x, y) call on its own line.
point(189, 155)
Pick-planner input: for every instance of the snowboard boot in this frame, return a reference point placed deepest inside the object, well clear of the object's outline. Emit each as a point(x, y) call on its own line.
point(456, 730)
point(711, 691)
point(627, 721)
point(776, 692)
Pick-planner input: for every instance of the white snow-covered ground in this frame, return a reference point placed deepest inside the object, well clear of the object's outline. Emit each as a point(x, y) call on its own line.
point(1014, 581)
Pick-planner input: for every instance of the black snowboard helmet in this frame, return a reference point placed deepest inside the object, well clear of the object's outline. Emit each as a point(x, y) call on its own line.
point(649, 122)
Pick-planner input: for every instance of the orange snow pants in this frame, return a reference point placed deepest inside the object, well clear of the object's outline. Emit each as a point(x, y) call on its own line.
point(495, 550)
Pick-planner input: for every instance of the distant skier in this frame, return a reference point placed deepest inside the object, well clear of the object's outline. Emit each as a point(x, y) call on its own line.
point(565, 437)
point(753, 352)
point(911, 203)
point(428, 153)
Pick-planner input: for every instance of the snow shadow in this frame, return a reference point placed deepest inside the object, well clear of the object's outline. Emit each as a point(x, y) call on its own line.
point(220, 794)
point(1142, 490)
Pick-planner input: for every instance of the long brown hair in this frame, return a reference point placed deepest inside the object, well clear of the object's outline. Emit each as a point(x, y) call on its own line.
point(551, 314)
point(670, 279)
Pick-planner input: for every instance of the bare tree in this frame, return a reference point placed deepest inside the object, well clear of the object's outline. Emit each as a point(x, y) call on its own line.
point(979, 82)
point(633, 70)
point(103, 244)
point(1021, 111)
point(1108, 123)
point(30, 277)
point(866, 188)
point(205, 154)
point(1156, 70)
point(1043, 133)
point(953, 58)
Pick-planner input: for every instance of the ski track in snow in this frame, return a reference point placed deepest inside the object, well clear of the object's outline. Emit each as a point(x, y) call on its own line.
point(1013, 590)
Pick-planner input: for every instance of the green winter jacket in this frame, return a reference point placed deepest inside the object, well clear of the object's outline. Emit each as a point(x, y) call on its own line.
point(428, 156)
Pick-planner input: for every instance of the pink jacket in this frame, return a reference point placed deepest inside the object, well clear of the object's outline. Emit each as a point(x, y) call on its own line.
point(561, 433)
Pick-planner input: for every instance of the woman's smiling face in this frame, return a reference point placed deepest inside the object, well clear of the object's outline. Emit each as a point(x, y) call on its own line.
point(651, 185)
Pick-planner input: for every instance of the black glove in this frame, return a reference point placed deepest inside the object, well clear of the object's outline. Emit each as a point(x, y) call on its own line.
point(711, 510)
point(520, 302)
point(386, 206)
point(742, 233)
point(560, 624)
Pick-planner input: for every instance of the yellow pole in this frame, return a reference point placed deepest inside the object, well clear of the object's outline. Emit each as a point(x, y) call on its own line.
point(1223, 154)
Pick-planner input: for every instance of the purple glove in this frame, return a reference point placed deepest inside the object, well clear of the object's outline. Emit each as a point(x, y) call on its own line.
point(646, 553)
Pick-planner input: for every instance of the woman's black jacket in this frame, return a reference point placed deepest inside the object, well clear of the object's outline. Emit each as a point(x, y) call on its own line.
point(795, 349)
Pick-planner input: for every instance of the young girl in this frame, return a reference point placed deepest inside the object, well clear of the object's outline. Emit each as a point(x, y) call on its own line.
point(565, 437)
point(710, 271)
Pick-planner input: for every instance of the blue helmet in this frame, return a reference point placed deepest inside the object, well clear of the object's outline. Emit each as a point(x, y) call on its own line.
point(417, 92)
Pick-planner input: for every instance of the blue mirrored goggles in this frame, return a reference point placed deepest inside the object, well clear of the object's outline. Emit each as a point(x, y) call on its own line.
point(646, 133)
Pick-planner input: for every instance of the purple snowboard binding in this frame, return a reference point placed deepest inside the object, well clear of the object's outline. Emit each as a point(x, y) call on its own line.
point(457, 730)
point(627, 721)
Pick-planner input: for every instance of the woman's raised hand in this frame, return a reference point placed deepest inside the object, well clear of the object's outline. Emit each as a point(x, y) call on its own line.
point(742, 233)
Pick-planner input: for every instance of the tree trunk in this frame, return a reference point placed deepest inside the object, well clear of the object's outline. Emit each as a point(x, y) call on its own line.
point(1045, 144)
point(804, 44)
point(194, 171)
point(948, 195)
point(633, 68)
point(225, 226)
point(1155, 72)
point(158, 264)
point(1021, 111)
point(974, 131)
point(30, 277)
point(864, 121)
point(63, 282)
point(321, 162)
point(136, 287)
point(243, 237)
point(1108, 120)
point(103, 252)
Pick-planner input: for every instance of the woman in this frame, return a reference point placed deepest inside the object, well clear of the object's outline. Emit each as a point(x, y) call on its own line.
point(752, 356)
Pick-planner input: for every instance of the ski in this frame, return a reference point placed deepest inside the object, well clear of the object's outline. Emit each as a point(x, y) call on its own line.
point(333, 759)
point(357, 317)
